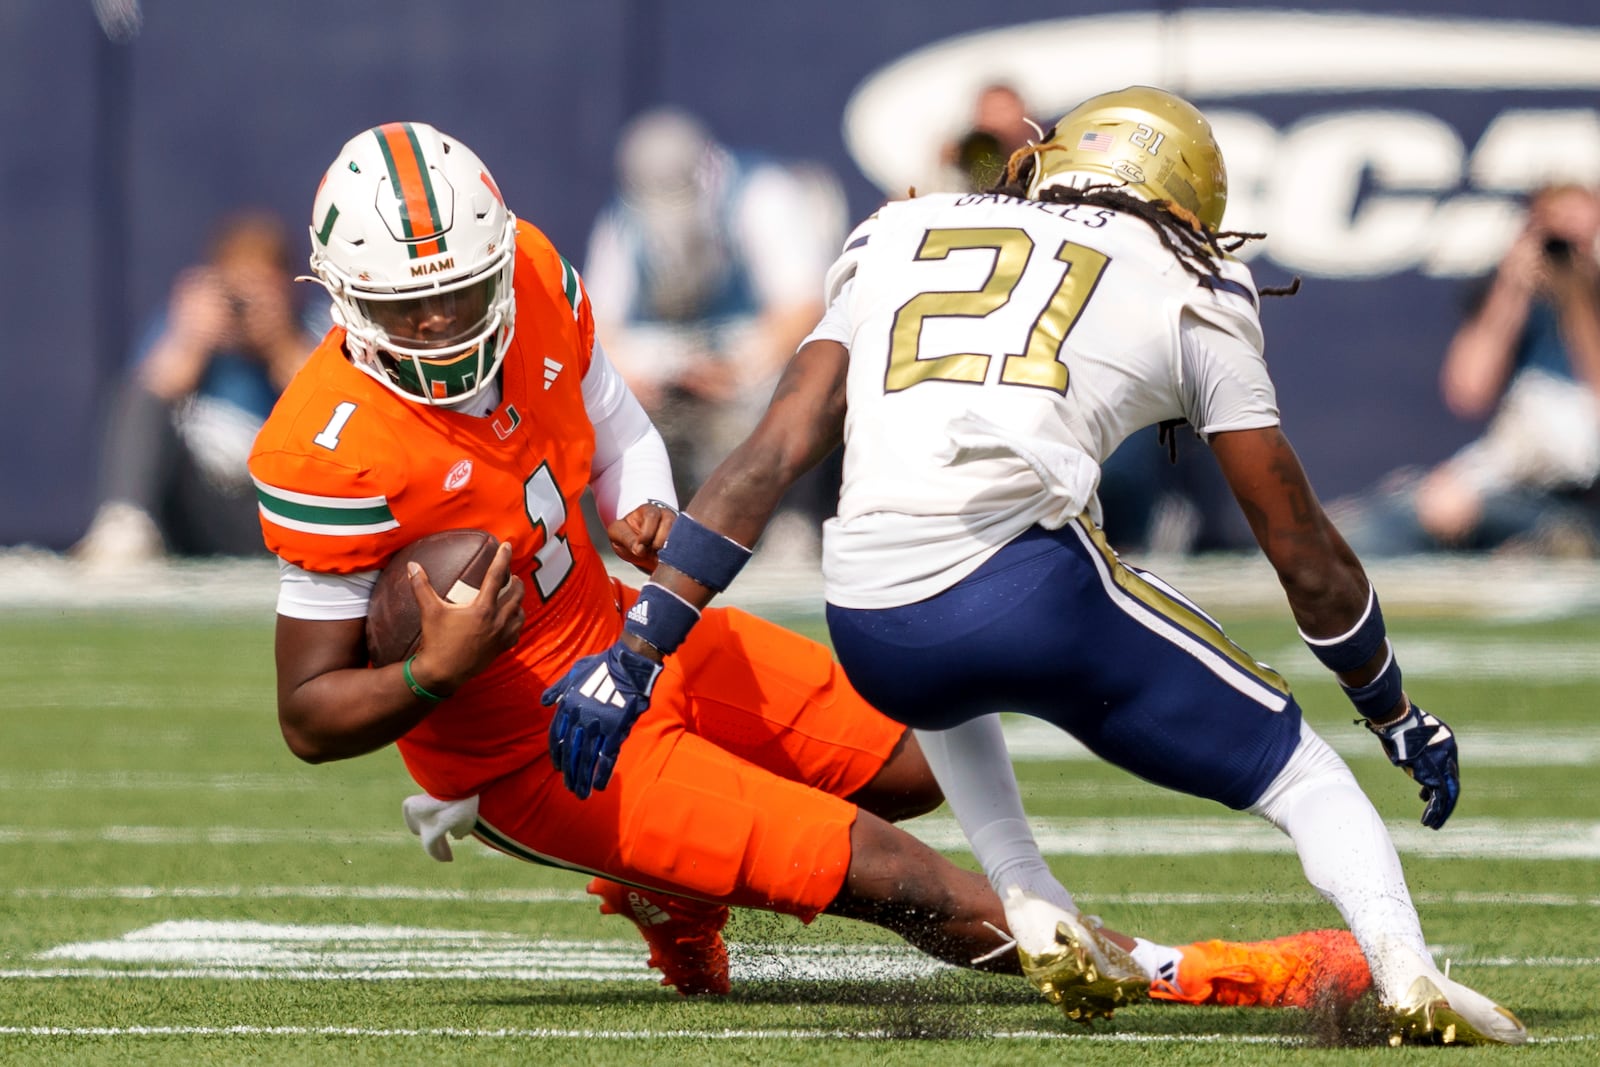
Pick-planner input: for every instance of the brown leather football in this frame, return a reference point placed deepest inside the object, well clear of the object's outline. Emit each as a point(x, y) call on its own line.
point(455, 561)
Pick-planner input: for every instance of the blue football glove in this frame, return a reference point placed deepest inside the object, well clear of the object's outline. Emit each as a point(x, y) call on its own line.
point(1425, 748)
point(596, 705)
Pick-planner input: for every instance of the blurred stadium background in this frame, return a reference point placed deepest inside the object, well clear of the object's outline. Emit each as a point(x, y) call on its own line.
point(147, 793)
point(1381, 147)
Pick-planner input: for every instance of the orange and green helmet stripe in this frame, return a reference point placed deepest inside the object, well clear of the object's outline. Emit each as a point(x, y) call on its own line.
point(419, 208)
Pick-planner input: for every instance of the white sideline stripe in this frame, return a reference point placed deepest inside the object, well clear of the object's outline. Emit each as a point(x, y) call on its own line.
point(1143, 836)
point(1030, 739)
point(300, 892)
point(1497, 838)
point(1075, 1036)
point(849, 968)
point(248, 950)
point(1477, 589)
point(162, 781)
point(208, 835)
point(561, 896)
point(605, 1035)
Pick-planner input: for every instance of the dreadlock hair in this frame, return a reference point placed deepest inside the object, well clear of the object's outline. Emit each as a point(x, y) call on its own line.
point(1198, 249)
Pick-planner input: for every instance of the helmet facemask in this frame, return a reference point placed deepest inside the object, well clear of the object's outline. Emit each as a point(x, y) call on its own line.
point(438, 345)
point(402, 203)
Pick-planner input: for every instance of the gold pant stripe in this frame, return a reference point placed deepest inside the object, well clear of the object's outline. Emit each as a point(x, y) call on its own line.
point(1179, 613)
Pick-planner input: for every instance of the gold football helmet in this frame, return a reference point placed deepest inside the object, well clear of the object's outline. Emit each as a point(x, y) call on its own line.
point(1147, 141)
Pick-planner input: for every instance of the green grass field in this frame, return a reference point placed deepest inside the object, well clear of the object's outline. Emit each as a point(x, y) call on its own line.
point(178, 889)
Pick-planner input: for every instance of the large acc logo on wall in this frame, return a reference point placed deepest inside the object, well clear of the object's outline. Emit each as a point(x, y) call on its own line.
point(1424, 174)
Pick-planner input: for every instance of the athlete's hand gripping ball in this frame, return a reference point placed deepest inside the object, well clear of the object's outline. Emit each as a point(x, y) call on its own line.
point(1425, 748)
point(596, 705)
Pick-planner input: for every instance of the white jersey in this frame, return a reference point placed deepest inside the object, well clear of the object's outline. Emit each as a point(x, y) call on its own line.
point(1000, 350)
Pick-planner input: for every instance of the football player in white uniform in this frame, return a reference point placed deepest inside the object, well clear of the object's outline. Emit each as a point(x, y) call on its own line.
point(981, 356)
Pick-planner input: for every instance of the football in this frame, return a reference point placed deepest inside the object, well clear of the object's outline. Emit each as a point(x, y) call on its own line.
point(455, 562)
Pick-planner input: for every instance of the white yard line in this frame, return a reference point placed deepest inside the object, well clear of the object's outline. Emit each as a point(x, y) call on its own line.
point(1029, 740)
point(1264, 898)
point(1481, 838)
point(254, 950)
point(540, 1033)
point(299, 892)
point(1487, 587)
point(1484, 839)
point(77, 781)
point(1141, 836)
point(1535, 745)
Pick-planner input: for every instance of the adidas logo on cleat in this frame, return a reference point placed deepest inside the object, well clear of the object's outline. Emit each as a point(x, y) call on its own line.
point(647, 912)
point(685, 936)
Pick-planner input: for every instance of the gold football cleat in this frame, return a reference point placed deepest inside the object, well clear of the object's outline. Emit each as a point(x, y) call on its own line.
point(1086, 975)
point(1437, 1011)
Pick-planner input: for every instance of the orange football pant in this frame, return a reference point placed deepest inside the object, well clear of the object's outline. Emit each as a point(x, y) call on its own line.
point(728, 789)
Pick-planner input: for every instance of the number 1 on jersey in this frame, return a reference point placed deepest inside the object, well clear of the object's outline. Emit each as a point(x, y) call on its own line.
point(547, 510)
point(1039, 363)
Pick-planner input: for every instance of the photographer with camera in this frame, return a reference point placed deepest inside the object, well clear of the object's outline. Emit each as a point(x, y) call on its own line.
point(207, 372)
point(1526, 358)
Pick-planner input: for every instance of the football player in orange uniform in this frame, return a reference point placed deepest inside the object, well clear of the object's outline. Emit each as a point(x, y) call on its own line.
point(759, 778)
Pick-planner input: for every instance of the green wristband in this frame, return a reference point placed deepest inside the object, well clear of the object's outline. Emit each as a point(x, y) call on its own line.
point(411, 681)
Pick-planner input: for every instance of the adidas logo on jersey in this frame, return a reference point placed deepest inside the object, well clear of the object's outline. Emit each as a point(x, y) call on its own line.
point(640, 613)
point(646, 911)
point(551, 369)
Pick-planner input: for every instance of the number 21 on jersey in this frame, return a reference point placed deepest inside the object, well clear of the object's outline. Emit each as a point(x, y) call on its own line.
point(1038, 364)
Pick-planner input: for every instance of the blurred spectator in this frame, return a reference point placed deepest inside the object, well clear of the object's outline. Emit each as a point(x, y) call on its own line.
point(706, 271)
point(977, 159)
point(207, 371)
point(1527, 357)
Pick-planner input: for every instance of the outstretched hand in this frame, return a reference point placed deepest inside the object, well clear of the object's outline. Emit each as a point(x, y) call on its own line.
point(1425, 748)
point(597, 703)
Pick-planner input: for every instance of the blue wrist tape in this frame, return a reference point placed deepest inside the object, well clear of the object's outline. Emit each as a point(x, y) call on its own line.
point(703, 554)
point(1378, 698)
point(661, 617)
point(1351, 650)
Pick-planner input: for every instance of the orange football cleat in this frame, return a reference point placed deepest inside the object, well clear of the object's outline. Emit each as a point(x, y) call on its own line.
point(685, 936)
point(1318, 967)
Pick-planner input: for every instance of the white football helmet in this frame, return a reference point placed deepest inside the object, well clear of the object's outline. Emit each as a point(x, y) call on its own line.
point(413, 242)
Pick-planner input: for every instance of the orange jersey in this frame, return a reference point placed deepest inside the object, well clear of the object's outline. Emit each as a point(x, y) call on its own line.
point(347, 473)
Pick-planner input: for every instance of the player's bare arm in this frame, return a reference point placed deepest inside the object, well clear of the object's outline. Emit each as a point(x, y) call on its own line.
point(802, 424)
point(602, 695)
point(1323, 579)
point(332, 706)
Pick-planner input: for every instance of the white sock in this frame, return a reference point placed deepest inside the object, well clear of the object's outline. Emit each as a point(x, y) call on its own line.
point(1348, 857)
point(1159, 962)
point(973, 767)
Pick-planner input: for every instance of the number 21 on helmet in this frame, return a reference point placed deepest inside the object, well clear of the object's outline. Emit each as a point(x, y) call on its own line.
point(1145, 141)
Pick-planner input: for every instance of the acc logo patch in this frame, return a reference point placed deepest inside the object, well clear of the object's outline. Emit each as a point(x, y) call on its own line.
point(459, 475)
point(1127, 171)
